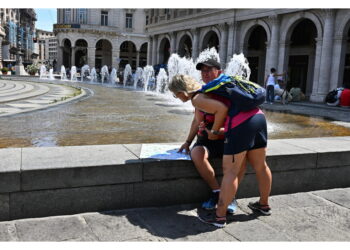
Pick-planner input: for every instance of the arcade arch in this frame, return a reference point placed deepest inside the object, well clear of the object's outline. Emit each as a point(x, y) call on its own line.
point(103, 54)
point(211, 39)
point(67, 53)
point(185, 46)
point(301, 57)
point(128, 54)
point(80, 53)
point(164, 50)
point(256, 53)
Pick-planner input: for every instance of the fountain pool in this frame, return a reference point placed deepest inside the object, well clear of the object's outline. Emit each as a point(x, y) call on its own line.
point(116, 115)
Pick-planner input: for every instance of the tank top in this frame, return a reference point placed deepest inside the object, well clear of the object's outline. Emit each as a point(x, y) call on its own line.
point(271, 80)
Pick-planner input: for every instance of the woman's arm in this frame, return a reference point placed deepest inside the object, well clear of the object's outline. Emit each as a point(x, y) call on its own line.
point(209, 105)
point(193, 131)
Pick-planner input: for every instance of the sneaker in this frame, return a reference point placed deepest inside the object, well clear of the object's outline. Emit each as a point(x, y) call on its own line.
point(264, 209)
point(212, 219)
point(232, 207)
point(211, 203)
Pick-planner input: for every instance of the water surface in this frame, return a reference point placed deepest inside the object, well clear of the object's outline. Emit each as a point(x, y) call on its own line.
point(116, 115)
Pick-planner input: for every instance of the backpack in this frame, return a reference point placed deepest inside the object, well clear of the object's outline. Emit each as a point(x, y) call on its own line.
point(333, 96)
point(243, 94)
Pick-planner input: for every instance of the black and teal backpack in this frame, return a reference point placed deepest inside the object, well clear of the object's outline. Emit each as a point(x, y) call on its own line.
point(243, 94)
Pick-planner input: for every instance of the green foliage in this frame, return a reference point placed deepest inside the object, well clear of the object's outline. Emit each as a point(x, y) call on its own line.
point(32, 68)
point(4, 70)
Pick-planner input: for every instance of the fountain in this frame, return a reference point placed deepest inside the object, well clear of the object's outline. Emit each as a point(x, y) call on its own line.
point(162, 81)
point(238, 66)
point(85, 68)
point(73, 74)
point(182, 65)
point(93, 75)
point(43, 72)
point(138, 76)
point(148, 77)
point(127, 74)
point(63, 73)
point(51, 77)
point(104, 73)
point(113, 76)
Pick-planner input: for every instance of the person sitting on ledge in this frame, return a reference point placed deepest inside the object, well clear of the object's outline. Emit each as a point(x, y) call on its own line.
point(204, 148)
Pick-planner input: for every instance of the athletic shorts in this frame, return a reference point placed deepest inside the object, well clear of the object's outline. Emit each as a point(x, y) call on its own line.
point(215, 148)
point(251, 134)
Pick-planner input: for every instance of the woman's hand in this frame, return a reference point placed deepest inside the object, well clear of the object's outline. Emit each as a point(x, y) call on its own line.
point(186, 147)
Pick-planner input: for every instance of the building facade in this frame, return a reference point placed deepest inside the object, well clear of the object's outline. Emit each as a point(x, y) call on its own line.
point(97, 37)
point(311, 45)
point(41, 46)
point(19, 28)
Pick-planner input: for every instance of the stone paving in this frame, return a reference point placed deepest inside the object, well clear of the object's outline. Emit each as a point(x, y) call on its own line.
point(18, 96)
point(312, 216)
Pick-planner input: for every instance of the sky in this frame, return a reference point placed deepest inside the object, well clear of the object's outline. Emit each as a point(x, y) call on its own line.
point(46, 18)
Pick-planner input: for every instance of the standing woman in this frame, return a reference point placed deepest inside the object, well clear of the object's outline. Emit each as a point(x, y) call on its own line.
point(245, 136)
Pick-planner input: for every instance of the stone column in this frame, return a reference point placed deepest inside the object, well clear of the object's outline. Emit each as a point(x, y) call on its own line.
point(115, 58)
point(154, 50)
point(73, 57)
point(59, 57)
point(173, 48)
point(315, 82)
point(223, 44)
point(137, 58)
point(91, 56)
point(283, 56)
point(195, 47)
point(230, 40)
point(338, 62)
point(325, 66)
point(272, 46)
point(149, 51)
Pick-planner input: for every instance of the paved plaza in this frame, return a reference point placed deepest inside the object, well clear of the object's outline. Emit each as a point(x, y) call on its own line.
point(20, 95)
point(312, 216)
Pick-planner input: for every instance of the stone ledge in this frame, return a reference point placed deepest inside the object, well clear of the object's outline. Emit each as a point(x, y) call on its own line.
point(36, 182)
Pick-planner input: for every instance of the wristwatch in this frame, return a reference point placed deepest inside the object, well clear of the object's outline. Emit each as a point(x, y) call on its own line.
point(215, 132)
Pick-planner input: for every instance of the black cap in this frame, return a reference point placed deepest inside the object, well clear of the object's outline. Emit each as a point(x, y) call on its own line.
point(210, 63)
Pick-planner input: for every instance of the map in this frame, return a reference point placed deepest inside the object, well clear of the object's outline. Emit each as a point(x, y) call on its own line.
point(163, 151)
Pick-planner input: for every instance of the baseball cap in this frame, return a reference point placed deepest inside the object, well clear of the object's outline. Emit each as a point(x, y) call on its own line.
point(208, 62)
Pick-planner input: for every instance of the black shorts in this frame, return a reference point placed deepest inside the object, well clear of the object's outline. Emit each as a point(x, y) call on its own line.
point(251, 134)
point(215, 148)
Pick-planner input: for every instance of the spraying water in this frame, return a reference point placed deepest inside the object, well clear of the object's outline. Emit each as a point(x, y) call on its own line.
point(127, 74)
point(182, 65)
point(238, 66)
point(85, 68)
point(51, 77)
point(148, 74)
point(63, 73)
point(104, 73)
point(73, 74)
point(113, 76)
point(43, 72)
point(93, 75)
point(138, 76)
point(162, 81)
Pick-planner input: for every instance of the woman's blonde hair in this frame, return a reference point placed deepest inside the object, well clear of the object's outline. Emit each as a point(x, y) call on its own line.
point(183, 83)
